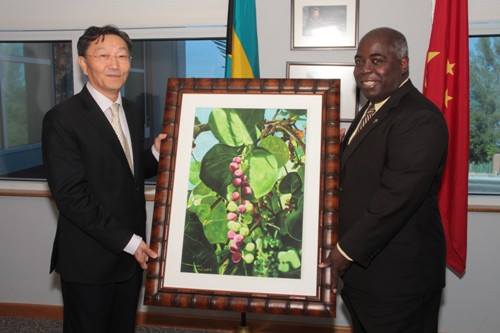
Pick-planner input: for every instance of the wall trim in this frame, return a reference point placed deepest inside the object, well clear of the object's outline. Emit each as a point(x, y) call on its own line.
point(484, 208)
point(54, 312)
point(149, 193)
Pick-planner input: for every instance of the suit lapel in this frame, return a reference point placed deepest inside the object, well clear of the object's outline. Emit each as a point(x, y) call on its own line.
point(101, 125)
point(376, 121)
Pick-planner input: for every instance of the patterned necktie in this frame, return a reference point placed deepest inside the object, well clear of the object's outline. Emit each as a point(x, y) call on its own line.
point(366, 118)
point(115, 123)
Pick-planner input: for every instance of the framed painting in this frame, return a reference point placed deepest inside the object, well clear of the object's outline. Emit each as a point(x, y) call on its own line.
point(320, 24)
point(349, 93)
point(247, 196)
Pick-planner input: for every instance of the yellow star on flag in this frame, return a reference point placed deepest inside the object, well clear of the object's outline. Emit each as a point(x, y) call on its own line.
point(447, 98)
point(431, 55)
point(449, 67)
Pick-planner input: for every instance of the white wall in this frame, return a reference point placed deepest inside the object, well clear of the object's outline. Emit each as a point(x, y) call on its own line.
point(27, 225)
point(471, 304)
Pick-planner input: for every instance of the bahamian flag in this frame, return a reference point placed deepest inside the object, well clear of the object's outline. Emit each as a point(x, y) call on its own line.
point(242, 59)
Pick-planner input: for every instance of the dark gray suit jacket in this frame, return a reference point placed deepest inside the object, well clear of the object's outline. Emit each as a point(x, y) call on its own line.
point(100, 202)
point(389, 218)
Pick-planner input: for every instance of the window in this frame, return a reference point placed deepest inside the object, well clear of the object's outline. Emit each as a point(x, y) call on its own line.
point(154, 61)
point(34, 76)
point(484, 161)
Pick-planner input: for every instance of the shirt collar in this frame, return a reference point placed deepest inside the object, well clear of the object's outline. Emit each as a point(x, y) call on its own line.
point(101, 100)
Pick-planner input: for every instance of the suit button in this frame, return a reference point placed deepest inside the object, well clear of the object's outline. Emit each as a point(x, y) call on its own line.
point(341, 189)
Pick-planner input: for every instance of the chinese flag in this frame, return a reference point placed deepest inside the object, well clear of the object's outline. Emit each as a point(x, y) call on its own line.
point(447, 85)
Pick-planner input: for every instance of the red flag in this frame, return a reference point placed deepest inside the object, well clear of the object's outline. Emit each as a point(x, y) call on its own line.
point(447, 85)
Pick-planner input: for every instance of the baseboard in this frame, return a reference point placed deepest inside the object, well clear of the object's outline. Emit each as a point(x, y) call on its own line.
point(54, 312)
point(36, 311)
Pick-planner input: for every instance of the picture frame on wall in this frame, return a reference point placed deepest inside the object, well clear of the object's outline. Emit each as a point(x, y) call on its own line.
point(243, 214)
point(349, 93)
point(324, 24)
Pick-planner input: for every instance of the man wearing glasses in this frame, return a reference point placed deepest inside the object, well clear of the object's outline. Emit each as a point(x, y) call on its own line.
point(92, 147)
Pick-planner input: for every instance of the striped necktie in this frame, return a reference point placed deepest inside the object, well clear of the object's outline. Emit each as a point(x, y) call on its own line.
point(116, 124)
point(366, 118)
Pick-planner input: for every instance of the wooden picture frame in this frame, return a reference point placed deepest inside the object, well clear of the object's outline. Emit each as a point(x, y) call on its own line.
point(260, 113)
point(349, 93)
point(324, 24)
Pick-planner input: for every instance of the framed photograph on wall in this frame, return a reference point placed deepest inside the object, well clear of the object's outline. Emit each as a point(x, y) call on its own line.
point(243, 215)
point(318, 24)
point(349, 96)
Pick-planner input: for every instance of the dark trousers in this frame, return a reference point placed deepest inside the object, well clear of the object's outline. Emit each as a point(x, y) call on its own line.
point(101, 308)
point(409, 314)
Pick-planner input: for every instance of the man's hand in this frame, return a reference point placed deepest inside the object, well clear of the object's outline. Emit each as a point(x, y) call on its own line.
point(339, 264)
point(158, 140)
point(143, 253)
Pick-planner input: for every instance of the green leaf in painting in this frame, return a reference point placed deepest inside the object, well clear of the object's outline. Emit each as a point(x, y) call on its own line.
point(194, 172)
point(200, 194)
point(223, 267)
point(235, 127)
point(197, 253)
point(246, 218)
point(277, 147)
point(276, 203)
point(293, 221)
point(214, 170)
point(262, 171)
point(291, 257)
point(291, 183)
point(297, 112)
point(301, 172)
point(283, 267)
point(202, 190)
point(203, 212)
point(300, 152)
point(215, 227)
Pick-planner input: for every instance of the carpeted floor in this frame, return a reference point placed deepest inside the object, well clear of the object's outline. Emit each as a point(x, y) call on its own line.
point(24, 325)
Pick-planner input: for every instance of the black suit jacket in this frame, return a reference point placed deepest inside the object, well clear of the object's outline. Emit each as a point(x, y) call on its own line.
point(389, 218)
point(100, 202)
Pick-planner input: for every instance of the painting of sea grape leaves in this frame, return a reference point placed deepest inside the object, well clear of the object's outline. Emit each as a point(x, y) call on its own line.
point(246, 193)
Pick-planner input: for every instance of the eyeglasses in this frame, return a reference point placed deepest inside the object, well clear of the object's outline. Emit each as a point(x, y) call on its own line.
point(105, 58)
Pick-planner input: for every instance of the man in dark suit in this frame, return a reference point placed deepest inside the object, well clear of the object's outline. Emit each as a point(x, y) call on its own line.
point(391, 249)
point(93, 149)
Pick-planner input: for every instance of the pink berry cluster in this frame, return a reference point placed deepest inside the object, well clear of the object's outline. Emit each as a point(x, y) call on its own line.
point(240, 180)
point(235, 243)
point(236, 207)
